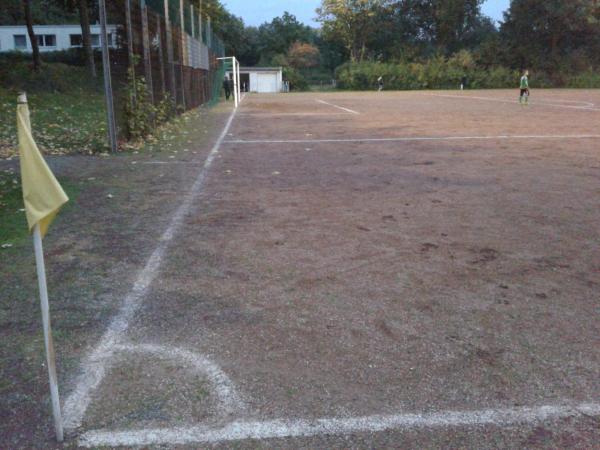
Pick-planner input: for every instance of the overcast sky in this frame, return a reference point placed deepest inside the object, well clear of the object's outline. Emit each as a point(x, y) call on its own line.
point(256, 12)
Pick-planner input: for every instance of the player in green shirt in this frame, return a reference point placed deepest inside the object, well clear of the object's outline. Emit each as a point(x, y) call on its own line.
point(524, 98)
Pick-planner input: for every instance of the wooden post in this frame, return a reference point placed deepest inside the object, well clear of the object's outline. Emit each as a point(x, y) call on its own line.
point(161, 59)
point(130, 54)
point(146, 44)
point(183, 52)
point(201, 39)
point(170, 63)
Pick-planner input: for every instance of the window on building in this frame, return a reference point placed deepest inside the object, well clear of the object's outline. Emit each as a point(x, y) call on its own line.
point(76, 40)
point(95, 40)
point(20, 41)
point(46, 40)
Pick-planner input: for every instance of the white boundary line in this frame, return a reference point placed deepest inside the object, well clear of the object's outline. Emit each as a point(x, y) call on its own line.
point(499, 100)
point(95, 365)
point(338, 107)
point(412, 139)
point(229, 400)
point(291, 114)
point(241, 430)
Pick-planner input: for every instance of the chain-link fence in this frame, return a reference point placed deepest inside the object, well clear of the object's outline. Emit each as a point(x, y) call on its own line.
point(163, 61)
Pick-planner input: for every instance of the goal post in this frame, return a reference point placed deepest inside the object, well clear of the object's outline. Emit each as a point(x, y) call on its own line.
point(235, 75)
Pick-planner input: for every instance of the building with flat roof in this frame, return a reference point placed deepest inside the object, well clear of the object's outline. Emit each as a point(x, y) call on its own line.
point(51, 38)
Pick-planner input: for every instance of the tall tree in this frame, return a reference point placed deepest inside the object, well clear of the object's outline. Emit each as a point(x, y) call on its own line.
point(351, 22)
point(551, 33)
point(37, 62)
point(86, 36)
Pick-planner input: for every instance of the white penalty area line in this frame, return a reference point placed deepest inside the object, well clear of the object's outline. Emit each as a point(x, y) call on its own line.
point(338, 107)
point(414, 139)
point(97, 362)
point(269, 429)
point(536, 103)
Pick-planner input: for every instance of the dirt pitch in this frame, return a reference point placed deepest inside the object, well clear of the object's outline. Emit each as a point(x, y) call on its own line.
point(364, 255)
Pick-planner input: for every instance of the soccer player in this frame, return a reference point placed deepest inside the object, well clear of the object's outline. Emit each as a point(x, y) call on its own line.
point(524, 98)
point(380, 84)
point(227, 87)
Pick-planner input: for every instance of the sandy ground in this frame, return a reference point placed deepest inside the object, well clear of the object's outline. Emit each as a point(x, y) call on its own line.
point(362, 277)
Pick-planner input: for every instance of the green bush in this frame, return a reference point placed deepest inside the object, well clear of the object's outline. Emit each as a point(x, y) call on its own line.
point(296, 79)
point(441, 73)
point(588, 80)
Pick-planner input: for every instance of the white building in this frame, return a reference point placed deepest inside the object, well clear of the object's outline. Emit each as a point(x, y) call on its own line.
point(51, 37)
point(261, 79)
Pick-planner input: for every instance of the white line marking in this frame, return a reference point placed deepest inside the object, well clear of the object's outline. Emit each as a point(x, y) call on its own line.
point(338, 107)
point(291, 114)
point(411, 139)
point(282, 428)
point(228, 397)
point(492, 99)
point(96, 363)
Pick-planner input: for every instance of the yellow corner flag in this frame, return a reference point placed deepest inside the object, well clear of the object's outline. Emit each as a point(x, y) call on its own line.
point(42, 194)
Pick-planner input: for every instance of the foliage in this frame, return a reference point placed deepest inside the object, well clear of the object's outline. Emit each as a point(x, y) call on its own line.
point(296, 79)
point(141, 115)
point(351, 22)
point(303, 55)
point(16, 75)
point(552, 35)
point(435, 73)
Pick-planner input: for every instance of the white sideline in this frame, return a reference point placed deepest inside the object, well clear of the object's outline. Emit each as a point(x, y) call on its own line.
point(536, 103)
point(412, 139)
point(338, 107)
point(282, 428)
point(97, 362)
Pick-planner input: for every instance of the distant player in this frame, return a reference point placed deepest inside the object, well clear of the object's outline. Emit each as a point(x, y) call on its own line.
point(524, 98)
point(380, 84)
point(227, 87)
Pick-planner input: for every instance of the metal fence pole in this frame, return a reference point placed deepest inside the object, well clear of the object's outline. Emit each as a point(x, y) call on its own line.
point(108, 92)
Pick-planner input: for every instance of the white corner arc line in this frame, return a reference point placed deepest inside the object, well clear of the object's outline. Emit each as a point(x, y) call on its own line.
point(229, 399)
point(351, 111)
point(413, 139)
point(96, 363)
point(500, 100)
point(282, 428)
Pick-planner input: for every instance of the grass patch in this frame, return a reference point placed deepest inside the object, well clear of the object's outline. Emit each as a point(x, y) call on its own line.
point(13, 223)
point(61, 123)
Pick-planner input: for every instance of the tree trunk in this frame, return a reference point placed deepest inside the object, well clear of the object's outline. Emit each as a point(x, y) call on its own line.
point(86, 36)
point(37, 62)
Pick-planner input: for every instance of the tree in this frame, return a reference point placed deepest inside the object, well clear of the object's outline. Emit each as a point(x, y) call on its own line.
point(86, 36)
point(37, 62)
point(549, 33)
point(277, 36)
point(303, 55)
point(351, 22)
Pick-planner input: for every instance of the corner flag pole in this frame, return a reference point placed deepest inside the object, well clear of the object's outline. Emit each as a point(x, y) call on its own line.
point(42, 197)
point(50, 356)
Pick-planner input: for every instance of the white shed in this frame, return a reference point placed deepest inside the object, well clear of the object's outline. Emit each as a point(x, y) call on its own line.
point(261, 79)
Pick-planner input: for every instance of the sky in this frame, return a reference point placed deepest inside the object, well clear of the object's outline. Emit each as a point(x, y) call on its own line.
point(304, 10)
